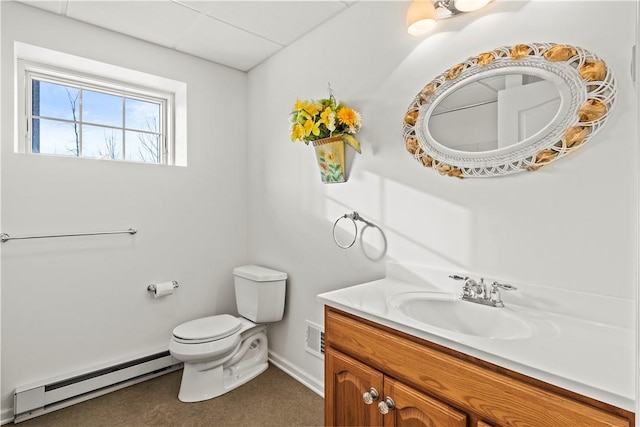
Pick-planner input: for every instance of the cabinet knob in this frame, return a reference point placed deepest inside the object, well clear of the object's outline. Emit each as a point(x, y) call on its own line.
point(386, 405)
point(370, 396)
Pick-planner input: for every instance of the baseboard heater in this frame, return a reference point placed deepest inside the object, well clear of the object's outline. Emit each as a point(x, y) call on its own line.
point(40, 398)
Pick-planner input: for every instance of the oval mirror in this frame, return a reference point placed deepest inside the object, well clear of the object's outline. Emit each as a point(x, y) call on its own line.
point(512, 109)
point(494, 112)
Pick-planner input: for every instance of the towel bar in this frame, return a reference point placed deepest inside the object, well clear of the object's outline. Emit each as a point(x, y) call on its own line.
point(4, 237)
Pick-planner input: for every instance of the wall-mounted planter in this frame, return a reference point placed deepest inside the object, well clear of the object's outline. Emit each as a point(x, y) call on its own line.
point(334, 124)
point(331, 158)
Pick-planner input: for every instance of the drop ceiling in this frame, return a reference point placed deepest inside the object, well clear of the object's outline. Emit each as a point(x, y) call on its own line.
point(236, 33)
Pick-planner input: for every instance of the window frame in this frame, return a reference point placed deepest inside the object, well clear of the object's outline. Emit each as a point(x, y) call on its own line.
point(39, 72)
point(90, 74)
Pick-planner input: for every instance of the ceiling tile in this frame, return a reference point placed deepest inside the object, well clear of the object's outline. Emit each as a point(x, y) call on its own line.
point(159, 22)
point(279, 21)
point(236, 33)
point(225, 44)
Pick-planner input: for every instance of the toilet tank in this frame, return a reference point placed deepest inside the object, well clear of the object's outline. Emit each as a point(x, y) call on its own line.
point(260, 293)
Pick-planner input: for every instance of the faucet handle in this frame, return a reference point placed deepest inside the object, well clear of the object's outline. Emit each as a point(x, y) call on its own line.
point(457, 277)
point(505, 286)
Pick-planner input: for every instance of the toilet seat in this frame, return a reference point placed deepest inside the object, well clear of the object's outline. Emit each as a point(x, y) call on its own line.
point(206, 329)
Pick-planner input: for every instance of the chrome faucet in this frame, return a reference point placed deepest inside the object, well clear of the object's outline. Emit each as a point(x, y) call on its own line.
point(478, 292)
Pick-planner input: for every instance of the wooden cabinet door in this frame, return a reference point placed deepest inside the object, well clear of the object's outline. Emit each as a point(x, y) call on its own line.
point(346, 380)
point(416, 409)
point(492, 395)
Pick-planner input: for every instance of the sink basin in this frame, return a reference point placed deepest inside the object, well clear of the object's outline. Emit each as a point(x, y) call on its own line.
point(448, 312)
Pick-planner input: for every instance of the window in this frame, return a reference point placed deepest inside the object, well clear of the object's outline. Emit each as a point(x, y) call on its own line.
point(73, 119)
point(105, 115)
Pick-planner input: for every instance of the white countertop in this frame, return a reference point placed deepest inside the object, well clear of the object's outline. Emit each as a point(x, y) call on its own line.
point(588, 357)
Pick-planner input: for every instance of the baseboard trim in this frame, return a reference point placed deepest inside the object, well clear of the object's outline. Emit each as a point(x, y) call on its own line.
point(313, 384)
point(6, 416)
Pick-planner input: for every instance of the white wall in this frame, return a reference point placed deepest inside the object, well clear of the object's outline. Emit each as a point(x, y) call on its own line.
point(68, 304)
point(570, 225)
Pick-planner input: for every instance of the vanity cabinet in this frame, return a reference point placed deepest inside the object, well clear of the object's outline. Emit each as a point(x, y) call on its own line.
point(424, 384)
point(406, 407)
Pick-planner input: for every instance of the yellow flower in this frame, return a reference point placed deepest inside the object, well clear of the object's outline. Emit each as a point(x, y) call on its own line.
point(305, 107)
point(311, 108)
point(348, 116)
point(297, 132)
point(299, 105)
point(311, 127)
point(331, 157)
point(328, 118)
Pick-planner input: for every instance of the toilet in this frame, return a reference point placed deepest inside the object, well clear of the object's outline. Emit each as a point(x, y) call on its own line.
point(223, 352)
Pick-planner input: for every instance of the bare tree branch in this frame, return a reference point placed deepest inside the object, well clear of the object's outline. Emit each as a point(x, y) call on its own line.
point(111, 147)
point(73, 102)
point(149, 148)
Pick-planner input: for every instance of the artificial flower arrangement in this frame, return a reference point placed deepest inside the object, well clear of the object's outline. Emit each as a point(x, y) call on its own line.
point(312, 120)
point(328, 124)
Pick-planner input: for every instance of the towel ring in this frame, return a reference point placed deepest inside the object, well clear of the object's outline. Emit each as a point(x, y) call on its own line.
point(355, 216)
point(352, 217)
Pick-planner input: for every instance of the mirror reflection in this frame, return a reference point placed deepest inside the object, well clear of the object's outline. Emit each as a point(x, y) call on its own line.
point(494, 112)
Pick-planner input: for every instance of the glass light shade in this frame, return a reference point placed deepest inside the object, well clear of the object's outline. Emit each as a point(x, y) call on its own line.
point(469, 5)
point(421, 17)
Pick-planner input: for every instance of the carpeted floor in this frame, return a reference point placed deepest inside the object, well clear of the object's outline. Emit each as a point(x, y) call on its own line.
point(271, 399)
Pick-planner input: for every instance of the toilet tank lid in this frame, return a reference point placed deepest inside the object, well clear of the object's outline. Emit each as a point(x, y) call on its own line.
point(258, 273)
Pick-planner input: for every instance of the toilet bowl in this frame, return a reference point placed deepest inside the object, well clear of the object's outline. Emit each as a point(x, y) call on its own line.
point(223, 352)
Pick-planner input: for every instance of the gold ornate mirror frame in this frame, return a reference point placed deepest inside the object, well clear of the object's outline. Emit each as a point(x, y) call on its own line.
point(587, 90)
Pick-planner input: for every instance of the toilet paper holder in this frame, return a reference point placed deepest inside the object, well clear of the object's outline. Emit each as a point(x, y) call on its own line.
point(152, 287)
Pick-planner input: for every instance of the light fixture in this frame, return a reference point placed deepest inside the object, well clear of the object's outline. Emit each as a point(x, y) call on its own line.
point(423, 14)
point(421, 17)
point(469, 5)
